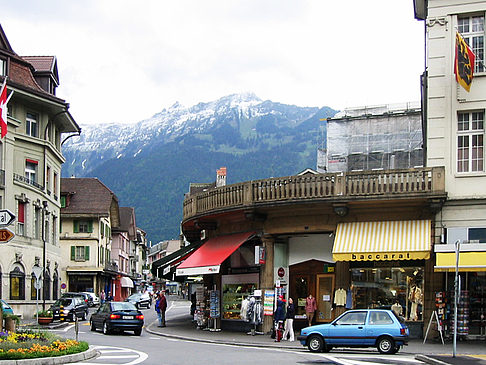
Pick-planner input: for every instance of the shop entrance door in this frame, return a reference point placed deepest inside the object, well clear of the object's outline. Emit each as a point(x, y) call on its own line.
point(325, 288)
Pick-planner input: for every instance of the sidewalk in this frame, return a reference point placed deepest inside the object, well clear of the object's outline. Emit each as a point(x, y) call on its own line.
point(469, 352)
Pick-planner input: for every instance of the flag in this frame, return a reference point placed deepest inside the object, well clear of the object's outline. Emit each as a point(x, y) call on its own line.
point(463, 63)
point(3, 109)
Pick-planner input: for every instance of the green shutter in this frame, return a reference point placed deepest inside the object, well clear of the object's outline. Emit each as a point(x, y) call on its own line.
point(86, 253)
point(76, 226)
point(63, 202)
point(90, 226)
point(73, 253)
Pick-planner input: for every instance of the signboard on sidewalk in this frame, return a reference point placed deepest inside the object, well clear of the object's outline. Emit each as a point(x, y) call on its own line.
point(268, 300)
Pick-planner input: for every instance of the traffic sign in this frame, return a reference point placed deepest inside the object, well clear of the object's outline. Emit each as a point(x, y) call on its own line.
point(6, 235)
point(38, 284)
point(6, 217)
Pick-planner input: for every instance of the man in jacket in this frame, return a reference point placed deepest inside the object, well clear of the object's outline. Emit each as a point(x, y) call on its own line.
point(162, 308)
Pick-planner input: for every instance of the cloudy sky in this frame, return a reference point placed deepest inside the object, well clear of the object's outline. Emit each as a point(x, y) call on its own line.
point(123, 61)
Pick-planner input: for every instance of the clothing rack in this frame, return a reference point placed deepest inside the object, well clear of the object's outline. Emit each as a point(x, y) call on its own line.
point(255, 313)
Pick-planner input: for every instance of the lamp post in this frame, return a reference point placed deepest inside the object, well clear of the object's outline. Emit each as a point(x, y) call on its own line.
point(44, 208)
point(457, 289)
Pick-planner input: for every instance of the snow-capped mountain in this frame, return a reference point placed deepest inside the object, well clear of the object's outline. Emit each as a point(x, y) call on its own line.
point(189, 144)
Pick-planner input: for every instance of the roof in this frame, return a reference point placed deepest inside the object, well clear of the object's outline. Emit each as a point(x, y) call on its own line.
point(87, 196)
point(127, 222)
point(41, 63)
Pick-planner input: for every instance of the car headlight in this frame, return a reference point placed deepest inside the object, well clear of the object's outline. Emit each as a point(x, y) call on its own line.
point(66, 311)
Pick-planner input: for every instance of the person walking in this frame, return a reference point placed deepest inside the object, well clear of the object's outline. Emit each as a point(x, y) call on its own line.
point(289, 321)
point(102, 296)
point(310, 308)
point(157, 310)
point(162, 307)
point(109, 297)
point(279, 317)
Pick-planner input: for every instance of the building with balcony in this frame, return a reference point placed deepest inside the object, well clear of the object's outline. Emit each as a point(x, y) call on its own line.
point(88, 214)
point(455, 134)
point(30, 170)
point(366, 233)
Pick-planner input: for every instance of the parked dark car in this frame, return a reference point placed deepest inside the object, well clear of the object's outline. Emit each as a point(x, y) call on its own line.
point(71, 307)
point(120, 316)
point(358, 328)
point(86, 297)
point(140, 300)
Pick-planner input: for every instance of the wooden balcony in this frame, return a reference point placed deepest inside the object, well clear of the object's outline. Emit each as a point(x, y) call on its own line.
point(333, 188)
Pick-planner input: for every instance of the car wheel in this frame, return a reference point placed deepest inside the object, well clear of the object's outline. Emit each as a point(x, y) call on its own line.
point(138, 332)
point(106, 331)
point(385, 345)
point(316, 343)
point(92, 326)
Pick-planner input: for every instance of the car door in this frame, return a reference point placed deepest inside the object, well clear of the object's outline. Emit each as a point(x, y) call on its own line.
point(100, 315)
point(348, 330)
point(379, 323)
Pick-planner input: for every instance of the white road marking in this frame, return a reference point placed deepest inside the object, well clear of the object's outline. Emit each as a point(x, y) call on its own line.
point(138, 355)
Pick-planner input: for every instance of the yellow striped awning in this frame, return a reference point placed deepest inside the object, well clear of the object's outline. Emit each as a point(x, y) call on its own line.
point(384, 240)
point(468, 261)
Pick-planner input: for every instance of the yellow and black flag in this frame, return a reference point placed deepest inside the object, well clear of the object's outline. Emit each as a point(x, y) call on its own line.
point(464, 63)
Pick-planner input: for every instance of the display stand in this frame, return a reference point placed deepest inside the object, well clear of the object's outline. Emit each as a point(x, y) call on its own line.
point(214, 312)
point(256, 317)
point(435, 317)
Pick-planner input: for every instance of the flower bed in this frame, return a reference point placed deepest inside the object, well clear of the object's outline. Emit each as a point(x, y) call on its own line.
point(32, 344)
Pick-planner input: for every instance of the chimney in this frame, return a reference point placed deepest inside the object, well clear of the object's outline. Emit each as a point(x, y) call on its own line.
point(221, 177)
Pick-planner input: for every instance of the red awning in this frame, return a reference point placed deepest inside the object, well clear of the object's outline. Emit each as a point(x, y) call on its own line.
point(208, 258)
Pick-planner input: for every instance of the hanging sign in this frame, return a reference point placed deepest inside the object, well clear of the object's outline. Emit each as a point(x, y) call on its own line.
point(268, 300)
point(6, 217)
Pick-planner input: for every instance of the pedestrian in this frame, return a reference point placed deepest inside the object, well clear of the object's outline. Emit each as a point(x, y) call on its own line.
point(157, 310)
point(102, 296)
point(310, 308)
point(279, 317)
point(289, 321)
point(162, 307)
point(109, 297)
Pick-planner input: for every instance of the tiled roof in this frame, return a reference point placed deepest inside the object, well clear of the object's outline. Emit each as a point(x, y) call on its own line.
point(21, 74)
point(87, 196)
point(127, 221)
point(41, 63)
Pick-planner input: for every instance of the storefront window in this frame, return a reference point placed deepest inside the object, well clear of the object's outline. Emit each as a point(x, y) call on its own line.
point(235, 289)
point(301, 285)
point(399, 289)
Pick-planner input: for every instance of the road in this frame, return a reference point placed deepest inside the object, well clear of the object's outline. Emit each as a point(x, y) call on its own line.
point(150, 349)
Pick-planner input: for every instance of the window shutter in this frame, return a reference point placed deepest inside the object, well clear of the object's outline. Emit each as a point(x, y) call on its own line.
point(90, 226)
point(73, 253)
point(76, 227)
point(21, 215)
point(86, 253)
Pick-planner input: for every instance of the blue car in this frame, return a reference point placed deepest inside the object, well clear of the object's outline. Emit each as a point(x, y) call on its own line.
point(378, 328)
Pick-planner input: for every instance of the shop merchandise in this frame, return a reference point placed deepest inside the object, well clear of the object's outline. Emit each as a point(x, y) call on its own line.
point(244, 309)
point(340, 297)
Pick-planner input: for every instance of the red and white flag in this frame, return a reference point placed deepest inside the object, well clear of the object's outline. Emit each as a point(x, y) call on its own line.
point(3, 109)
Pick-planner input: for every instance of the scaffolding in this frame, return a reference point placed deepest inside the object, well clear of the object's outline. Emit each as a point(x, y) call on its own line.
point(374, 138)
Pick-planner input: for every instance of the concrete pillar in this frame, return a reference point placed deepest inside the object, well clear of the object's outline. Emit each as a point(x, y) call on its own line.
point(266, 276)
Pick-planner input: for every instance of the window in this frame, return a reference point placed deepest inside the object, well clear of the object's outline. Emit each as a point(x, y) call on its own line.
point(31, 125)
point(17, 284)
point(46, 287)
point(471, 235)
point(3, 67)
point(83, 226)
point(47, 236)
point(352, 318)
point(37, 220)
point(55, 286)
point(79, 253)
point(48, 180)
point(33, 290)
point(31, 171)
point(470, 142)
point(54, 187)
point(21, 219)
point(377, 318)
point(63, 201)
point(472, 29)
point(54, 230)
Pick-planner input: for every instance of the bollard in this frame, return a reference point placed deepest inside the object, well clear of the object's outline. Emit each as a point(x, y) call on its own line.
point(61, 313)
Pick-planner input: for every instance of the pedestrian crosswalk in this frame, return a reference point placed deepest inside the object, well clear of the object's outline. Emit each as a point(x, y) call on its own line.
point(110, 355)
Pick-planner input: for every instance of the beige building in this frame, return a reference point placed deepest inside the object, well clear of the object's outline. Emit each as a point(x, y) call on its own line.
point(455, 133)
point(31, 159)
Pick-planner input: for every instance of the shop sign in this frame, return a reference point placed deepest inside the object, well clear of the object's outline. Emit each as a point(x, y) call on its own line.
point(281, 272)
point(166, 270)
point(328, 268)
point(259, 255)
point(381, 256)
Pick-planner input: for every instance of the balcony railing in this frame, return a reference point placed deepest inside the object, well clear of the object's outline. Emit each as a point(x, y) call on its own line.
point(25, 180)
point(333, 187)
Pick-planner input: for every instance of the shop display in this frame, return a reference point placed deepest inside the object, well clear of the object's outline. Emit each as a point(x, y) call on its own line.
point(462, 314)
point(233, 296)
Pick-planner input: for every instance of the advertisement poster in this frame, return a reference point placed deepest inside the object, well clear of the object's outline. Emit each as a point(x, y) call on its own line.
point(268, 302)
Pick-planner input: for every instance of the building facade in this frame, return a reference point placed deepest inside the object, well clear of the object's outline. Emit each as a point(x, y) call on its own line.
point(31, 160)
point(455, 134)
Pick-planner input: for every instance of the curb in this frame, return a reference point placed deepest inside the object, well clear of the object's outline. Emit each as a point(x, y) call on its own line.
point(429, 360)
point(219, 341)
point(86, 355)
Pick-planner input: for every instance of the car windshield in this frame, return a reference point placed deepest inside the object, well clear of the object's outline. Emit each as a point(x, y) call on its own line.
point(63, 301)
point(123, 306)
point(134, 296)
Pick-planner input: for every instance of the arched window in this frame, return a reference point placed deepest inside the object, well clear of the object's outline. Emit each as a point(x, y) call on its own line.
point(46, 287)
point(17, 283)
point(33, 290)
point(55, 286)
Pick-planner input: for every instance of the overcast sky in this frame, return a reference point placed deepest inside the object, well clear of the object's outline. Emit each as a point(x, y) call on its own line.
point(123, 61)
